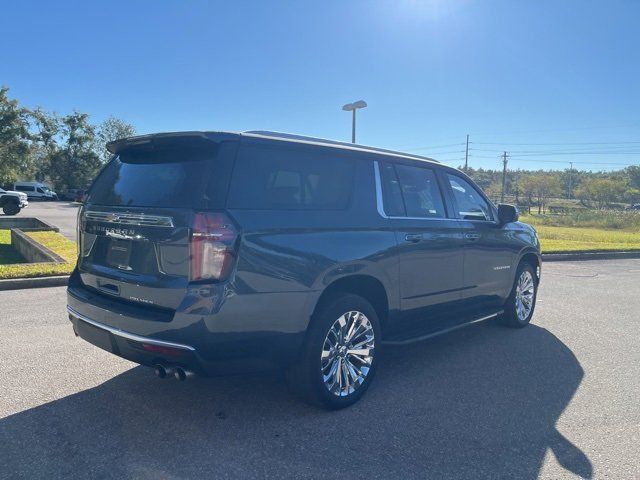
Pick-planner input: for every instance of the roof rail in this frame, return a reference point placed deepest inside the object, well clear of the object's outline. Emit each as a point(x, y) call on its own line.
point(332, 143)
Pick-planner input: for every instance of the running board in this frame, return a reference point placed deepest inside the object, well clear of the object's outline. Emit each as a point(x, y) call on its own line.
point(440, 332)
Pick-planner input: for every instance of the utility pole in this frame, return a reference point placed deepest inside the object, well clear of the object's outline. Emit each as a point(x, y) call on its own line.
point(570, 179)
point(504, 175)
point(466, 155)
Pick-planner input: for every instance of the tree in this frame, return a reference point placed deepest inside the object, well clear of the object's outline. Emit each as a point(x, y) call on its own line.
point(601, 191)
point(111, 129)
point(633, 174)
point(46, 130)
point(494, 190)
point(75, 163)
point(14, 139)
point(526, 186)
point(540, 187)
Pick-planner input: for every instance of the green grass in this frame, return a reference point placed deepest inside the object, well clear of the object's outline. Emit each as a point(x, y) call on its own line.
point(602, 219)
point(12, 265)
point(7, 253)
point(589, 230)
point(571, 239)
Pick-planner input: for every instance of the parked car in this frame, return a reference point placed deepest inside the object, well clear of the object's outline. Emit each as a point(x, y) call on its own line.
point(207, 253)
point(71, 194)
point(74, 194)
point(635, 206)
point(12, 202)
point(36, 190)
point(80, 196)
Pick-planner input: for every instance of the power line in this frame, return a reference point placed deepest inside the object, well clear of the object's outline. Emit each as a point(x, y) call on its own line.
point(434, 147)
point(515, 158)
point(627, 151)
point(551, 154)
point(566, 143)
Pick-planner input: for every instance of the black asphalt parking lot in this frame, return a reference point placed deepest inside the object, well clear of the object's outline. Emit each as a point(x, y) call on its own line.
point(558, 399)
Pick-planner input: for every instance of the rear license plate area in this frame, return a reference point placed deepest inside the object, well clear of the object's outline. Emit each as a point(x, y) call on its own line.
point(119, 254)
point(94, 335)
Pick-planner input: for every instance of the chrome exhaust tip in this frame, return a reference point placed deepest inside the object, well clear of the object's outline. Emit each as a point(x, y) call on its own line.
point(182, 374)
point(162, 371)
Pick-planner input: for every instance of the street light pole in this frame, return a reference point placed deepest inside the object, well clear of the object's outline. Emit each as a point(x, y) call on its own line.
point(352, 107)
point(353, 126)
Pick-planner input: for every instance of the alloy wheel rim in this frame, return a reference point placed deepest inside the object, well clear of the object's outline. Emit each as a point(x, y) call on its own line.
point(347, 353)
point(525, 290)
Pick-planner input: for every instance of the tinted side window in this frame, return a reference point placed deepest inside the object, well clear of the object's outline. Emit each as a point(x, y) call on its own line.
point(290, 179)
point(420, 191)
point(391, 193)
point(470, 204)
point(22, 188)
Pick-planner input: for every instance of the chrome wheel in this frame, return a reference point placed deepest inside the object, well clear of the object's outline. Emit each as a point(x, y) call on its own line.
point(525, 290)
point(347, 353)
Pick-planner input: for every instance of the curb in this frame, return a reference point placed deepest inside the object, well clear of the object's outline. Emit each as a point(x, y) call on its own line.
point(561, 257)
point(37, 282)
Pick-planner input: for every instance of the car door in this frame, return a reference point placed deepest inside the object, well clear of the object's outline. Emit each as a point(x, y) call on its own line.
point(430, 244)
point(488, 250)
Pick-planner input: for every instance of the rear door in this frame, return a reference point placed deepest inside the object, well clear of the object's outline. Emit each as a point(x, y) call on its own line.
point(429, 242)
point(136, 224)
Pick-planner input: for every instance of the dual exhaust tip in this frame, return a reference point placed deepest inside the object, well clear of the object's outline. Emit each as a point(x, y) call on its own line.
point(163, 371)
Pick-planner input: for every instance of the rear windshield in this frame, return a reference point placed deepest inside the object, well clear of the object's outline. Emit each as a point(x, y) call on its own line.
point(168, 177)
point(290, 179)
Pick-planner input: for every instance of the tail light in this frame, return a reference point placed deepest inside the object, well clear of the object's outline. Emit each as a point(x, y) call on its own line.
point(213, 246)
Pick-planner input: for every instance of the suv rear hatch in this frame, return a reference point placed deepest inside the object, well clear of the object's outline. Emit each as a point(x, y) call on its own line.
point(136, 231)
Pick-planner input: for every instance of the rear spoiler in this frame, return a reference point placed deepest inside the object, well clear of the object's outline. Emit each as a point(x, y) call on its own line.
point(160, 140)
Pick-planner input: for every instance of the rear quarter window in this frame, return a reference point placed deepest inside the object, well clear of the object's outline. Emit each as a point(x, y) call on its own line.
point(289, 178)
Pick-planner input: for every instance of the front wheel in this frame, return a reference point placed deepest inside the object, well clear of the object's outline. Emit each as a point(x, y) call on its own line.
point(522, 300)
point(338, 360)
point(11, 208)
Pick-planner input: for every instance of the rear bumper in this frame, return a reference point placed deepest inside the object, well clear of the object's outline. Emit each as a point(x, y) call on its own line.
point(209, 344)
point(139, 349)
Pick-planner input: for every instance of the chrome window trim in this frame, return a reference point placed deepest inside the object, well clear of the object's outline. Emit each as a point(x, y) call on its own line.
point(127, 335)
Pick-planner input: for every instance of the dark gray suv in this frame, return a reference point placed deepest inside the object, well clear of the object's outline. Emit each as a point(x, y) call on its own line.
point(208, 252)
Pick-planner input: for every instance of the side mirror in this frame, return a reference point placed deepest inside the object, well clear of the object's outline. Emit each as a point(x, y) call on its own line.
point(507, 213)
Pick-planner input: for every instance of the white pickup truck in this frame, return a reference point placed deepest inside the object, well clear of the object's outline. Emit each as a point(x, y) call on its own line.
point(12, 202)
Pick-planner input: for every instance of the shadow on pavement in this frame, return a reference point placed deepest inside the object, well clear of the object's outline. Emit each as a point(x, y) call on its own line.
point(479, 403)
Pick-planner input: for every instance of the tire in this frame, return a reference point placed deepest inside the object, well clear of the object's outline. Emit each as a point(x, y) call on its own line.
point(326, 350)
point(518, 311)
point(11, 208)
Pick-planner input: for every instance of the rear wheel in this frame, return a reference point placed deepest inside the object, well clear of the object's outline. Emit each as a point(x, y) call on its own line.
point(338, 360)
point(11, 208)
point(522, 301)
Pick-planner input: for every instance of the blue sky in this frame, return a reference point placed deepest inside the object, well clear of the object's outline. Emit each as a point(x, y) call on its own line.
point(506, 72)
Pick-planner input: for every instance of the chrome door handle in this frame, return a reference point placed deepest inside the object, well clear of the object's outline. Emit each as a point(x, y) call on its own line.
point(472, 236)
point(413, 237)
